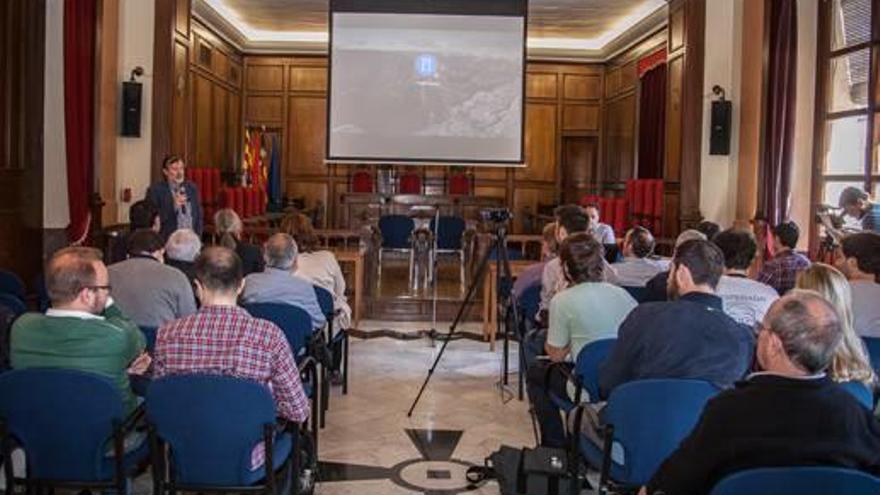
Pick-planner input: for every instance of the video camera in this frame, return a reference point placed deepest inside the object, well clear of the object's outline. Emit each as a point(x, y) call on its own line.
point(496, 215)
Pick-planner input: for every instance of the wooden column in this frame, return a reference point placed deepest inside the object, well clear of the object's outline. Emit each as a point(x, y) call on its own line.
point(687, 19)
point(107, 107)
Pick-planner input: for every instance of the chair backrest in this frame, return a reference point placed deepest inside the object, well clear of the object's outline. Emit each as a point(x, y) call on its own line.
point(590, 357)
point(529, 301)
point(325, 301)
point(396, 230)
point(410, 183)
point(640, 294)
point(294, 321)
point(861, 392)
point(813, 480)
point(448, 232)
point(62, 419)
point(13, 303)
point(211, 424)
point(459, 184)
point(10, 283)
point(513, 254)
point(872, 345)
point(651, 417)
point(362, 182)
point(150, 337)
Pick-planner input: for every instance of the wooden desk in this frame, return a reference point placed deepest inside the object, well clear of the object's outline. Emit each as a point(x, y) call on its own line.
point(327, 235)
point(356, 257)
point(490, 309)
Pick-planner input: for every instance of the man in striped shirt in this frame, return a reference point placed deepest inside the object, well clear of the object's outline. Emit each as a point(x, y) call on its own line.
point(222, 338)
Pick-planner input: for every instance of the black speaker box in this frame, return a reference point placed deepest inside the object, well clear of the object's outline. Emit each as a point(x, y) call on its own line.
point(719, 133)
point(131, 108)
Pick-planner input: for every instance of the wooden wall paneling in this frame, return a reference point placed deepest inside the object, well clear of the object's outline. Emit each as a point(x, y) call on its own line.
point(612, 82)
point(530, 200)
point(107, 111)
point(540, 143)
point(264, 109)
point(579, 158)
point(580, 117)
point(676, 27)
point(628, 77)
point(219, 116)
point(182, 17)
point(202, 123)
point(312, 192)
point(265, 77)
point(180, 109)
point(307, 121)
point(234, 130)
point(692, 112)
point(675, 71)
point(219, 64)
point(582, 87)
point(308, 79)
point(541, 85)
point(490, 173)
point(620, 141)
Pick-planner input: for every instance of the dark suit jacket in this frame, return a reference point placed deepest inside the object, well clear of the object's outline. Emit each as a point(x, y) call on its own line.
point(160, 195)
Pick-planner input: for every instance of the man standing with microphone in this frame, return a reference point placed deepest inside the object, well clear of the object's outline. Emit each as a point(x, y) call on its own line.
point(176, 198)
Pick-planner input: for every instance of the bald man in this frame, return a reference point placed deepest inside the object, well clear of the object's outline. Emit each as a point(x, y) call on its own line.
point(278, 284)
point(788, 414)
point(83, 330)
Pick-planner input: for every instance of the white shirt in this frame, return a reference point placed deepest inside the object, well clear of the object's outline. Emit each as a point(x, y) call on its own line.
point(866, 307)
point(322, 269)
point(636, 272)
point(745, 300)
point(603, 233)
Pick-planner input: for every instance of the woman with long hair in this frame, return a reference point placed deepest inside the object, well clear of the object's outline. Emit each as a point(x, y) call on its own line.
point(851, 362)
point(229, 227)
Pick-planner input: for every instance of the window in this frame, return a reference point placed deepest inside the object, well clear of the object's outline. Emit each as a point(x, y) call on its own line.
point(849, 143)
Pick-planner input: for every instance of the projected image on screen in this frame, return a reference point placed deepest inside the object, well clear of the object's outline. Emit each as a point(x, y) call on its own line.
point(426, 87)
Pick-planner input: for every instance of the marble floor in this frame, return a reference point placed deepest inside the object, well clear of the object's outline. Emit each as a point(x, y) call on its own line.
point(371, 446)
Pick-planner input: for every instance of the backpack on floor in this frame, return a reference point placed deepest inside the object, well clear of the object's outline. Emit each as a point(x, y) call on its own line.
point(538, 471)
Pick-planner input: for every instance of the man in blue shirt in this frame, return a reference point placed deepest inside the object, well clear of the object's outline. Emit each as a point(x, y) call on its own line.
point(857, 204)
point(689, 336)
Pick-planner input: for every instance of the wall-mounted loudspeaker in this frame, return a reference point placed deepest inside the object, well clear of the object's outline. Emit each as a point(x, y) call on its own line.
point(719, 134)
point(131, 108)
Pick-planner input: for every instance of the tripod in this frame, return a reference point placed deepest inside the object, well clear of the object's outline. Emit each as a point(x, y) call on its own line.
point(502, 272)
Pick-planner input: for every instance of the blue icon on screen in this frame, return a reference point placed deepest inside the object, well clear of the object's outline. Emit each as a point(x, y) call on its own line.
point(426, 65)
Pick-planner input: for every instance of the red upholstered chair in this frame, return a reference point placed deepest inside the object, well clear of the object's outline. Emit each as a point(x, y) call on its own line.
point(619, 215)
point(658, 207)
point(239, 201)
point(459, 183)
point(362, 181)
point(410, 183)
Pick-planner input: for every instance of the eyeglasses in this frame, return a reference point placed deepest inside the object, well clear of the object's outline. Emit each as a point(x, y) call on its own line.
point(99, 287)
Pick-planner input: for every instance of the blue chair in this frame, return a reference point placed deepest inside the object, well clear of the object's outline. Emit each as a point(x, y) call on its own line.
point(798, 481)
point(512, 254)
point(585, 374)
point(861, 392)
point(448, 233)
point(396, 236)
point(528, 303)
point(13, 303)
point(648, 419)
point(150, 337)
point(206, 426)
point(10, 283)
point(640, 294)
point(64, 420)
point(325, 301)
point(872, 345)
point(297, 326)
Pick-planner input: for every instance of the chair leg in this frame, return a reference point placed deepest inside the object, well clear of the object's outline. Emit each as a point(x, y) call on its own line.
point(461, 271)
point(345, 363)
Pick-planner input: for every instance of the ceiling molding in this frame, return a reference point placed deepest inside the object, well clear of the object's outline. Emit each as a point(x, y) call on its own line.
point(645, 27)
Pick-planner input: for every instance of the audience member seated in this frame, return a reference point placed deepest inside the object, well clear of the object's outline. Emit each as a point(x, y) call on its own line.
point(229, 228)
point(142, 215)
point(318, 266)
point(789, 414)
point(181, 251)
point(278, 284)
point(708, 229)
point(589, 309)
point(859, 259)
point(638, 265)
point(83, 330)
point(656, 287)
point(687, 337)
point(602, 232)
point(148, 291)
point(745, 300)
point(850, 362)
point(781, 272)
point(532, 275)
point(222, 338)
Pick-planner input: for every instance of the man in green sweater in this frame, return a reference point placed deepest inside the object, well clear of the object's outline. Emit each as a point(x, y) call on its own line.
point(83, 330)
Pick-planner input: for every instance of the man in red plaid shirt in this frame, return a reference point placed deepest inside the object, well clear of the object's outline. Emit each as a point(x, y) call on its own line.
point(222, 338)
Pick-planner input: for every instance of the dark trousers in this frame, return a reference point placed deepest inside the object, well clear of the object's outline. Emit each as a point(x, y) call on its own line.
point(539, 385)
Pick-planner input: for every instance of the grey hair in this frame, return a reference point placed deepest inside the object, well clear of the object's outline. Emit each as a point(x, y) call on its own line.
point(809, 328)
point(280, 251)
point(183, 245)
point(689, 235)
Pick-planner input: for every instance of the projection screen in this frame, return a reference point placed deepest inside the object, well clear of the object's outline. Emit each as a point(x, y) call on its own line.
point(441, 83)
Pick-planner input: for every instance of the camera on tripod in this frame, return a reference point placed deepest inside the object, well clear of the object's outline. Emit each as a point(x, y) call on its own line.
point(496, 215)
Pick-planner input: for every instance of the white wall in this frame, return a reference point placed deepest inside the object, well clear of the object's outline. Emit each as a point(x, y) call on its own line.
point(722, 67)
point(136, 25)
point(807, 13)
point(56, 213)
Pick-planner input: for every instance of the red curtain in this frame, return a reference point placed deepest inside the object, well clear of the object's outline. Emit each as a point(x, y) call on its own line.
point(776, 162)
point(652, 123)
point(79, 103)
